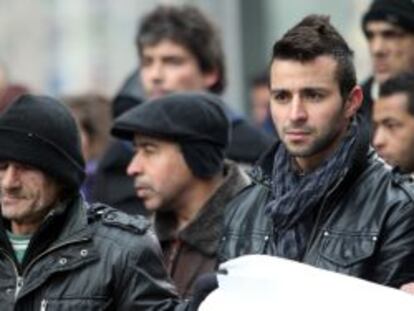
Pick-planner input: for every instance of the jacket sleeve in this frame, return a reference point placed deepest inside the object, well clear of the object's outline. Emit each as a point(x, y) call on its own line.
point(143, 281)
point(395, 265)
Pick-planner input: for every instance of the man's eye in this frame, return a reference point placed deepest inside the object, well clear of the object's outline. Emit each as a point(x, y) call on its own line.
point(393, 34)
point(3, 165)
point(314, 96)
point(145, 62)
point(175, 61)
point(392, 126)
point(280, 97)
point(149, 149)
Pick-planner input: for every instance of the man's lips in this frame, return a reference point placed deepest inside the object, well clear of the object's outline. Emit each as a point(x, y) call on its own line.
point(7, 199)
point(380, 67)
point(297, 135)
point(143, 191)
point(158, 93)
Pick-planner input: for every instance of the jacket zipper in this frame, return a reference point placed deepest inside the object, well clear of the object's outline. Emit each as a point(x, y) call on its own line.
point(43, 305)
point(19, 278)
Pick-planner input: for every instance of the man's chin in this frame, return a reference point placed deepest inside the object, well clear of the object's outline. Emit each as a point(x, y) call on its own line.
point(158, 93)
point(381, 77)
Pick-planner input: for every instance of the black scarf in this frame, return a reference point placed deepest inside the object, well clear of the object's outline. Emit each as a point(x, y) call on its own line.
point(295, 199)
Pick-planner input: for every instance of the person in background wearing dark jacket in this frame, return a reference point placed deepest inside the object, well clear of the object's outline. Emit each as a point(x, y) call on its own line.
point(321, 196)
point(111, 184)
point(181, 175)
point(180, 50)
point(55, 253)
point(388, 26)
point(393, 118)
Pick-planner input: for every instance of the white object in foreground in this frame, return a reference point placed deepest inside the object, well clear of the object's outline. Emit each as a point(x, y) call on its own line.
point(259, 282)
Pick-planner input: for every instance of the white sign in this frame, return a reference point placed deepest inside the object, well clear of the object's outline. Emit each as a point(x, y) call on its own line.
point(259, 282)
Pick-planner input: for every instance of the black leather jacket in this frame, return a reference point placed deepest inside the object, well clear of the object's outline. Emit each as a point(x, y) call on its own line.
point(103, 261)
point(364, 226)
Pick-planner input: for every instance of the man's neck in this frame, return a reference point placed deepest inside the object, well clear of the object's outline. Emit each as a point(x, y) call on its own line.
point(195, 199)
point(24, 228)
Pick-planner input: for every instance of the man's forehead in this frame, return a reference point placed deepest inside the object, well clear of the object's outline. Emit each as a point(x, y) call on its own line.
point(397, 102)
point(317, 73)
point(382, 25)
point(168, 45)
point(140, 139)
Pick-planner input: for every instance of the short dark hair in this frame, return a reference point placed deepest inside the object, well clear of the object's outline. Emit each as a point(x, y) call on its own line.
point(188, 26)
point(402, 83)
point(260, 79)
point(314, 36)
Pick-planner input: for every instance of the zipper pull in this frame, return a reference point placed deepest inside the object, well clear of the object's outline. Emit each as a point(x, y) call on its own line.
point(19, 285)
point(43, 305)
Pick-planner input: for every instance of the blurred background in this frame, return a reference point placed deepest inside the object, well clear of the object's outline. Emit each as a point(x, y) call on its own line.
point(69, 47)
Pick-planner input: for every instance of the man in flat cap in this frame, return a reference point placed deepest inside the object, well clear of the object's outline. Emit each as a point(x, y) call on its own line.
point(180, 173)
point(55, 253)
point(389, 28)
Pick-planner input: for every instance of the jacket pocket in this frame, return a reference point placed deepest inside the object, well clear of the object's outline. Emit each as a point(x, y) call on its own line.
point(234, 245)
point(346, 250)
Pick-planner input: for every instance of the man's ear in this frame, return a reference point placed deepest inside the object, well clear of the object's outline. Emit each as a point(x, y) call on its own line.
point(354, 101)
point(210, 78)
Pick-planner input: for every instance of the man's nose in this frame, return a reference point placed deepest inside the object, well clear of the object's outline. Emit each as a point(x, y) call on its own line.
point(298, 111)
point(378, 140)
point(135, 167)
point(377, 46)
point(10, 177)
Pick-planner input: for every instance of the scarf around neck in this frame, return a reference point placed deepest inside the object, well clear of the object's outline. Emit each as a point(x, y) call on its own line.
point(295, 199)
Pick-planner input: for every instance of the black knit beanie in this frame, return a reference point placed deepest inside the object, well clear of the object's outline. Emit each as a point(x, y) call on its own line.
point(193, 120)
point(396, 12)
point(40, 131)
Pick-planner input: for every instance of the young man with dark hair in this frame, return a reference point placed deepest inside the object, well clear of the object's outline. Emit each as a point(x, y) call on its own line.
point(393, 118)
point(321, 196)
point(180, 50)
point(180, 174)
point(56, 252)
point(388, 26)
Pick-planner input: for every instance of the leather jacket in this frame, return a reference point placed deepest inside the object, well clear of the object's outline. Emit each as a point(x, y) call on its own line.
point(78, 260)
point(364, 226)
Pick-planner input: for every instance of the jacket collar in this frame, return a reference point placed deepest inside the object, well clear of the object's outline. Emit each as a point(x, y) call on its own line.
point(65, 222)
point(204, 231)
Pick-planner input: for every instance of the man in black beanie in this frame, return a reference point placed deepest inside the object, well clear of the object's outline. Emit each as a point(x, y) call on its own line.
point(55, 253)
point(388, 26)
point(180, 173)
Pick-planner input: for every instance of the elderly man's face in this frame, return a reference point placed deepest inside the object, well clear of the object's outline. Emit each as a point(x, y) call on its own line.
point(26, 195)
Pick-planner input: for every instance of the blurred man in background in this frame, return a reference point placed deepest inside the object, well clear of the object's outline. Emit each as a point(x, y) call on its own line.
point(393, 118)
point(92, 115)
point(388, 26)
point(180, 50)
